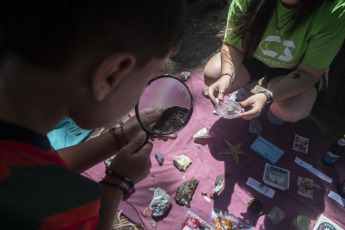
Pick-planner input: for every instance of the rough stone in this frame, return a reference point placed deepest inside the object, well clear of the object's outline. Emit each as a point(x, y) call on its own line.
point(160, 158)
point(184, 76)
point(160, 203)
point(182, 162)
point(255, 127)
point(184, 193)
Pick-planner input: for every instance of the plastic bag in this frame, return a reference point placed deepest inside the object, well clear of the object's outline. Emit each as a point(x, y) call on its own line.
point(193, 221)
point(222, 220)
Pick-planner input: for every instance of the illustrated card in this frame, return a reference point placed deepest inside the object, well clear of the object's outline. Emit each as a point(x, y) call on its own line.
point(301, 144)
point(276, 177)
point(324, 223)
point(304, 187)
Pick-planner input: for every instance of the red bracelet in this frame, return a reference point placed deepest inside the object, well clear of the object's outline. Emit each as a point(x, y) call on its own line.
point(121, 141)
point(230, 75)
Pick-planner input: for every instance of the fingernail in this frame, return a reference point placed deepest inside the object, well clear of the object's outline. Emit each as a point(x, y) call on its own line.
point(159, 109)
point(142, 135)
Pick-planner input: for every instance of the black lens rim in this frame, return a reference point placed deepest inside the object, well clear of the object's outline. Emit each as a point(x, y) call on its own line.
point(190, 110)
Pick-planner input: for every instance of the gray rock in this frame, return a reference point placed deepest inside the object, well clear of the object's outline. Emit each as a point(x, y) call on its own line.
point(185, 75)
point(160, 203)
point(255, 127)
point(160, 158)
point(184, 193)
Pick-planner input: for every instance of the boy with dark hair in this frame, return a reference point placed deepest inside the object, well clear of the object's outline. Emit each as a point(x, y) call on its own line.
point(90, 61)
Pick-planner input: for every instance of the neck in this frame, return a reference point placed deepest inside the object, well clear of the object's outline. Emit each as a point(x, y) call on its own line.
point(291, 2)
point(24, 102)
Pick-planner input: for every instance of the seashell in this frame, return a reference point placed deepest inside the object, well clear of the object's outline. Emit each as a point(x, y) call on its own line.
point(202, 133)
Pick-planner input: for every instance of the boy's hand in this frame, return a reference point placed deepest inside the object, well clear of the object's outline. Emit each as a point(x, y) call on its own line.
point(134, 165)
point(148, 118)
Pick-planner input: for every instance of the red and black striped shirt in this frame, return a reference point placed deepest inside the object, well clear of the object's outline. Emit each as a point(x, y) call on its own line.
point(37, 190)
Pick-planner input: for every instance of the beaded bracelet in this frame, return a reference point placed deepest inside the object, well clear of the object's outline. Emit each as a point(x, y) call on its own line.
point(111, 173)
point(118, 181)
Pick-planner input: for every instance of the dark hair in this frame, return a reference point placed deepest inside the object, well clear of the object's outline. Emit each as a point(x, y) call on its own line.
point(259, 12)
point(49, 33)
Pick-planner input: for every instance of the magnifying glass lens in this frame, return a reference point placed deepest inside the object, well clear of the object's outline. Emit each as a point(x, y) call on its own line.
point(176, 101)
point(172, 119)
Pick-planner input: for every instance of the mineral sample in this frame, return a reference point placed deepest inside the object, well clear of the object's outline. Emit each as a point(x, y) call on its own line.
point(182, 162)
point(160, 203)
point(255, 127)
point(184, 193)
point(184, 76)
point(160, 158)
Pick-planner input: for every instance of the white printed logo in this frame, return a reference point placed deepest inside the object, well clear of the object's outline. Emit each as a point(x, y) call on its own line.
point(289, 47)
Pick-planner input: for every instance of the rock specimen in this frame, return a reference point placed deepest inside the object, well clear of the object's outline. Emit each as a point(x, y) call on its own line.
point(160, 158)
point(184, 76)
point(160, 203)
point(182, 162)
point(184, 193)
point(255, 127)
point(218, 185)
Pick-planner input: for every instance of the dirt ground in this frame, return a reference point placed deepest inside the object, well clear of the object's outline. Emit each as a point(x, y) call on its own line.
point(202, 39)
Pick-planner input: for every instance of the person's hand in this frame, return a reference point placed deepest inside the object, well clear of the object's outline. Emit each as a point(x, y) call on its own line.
point(218, 89)
point(257, 103)
point(148, 118)
point(134, 165)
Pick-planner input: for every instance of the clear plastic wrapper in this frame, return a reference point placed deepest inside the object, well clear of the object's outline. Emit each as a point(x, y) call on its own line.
point(228, 109)
point(222, 220)
point(193, 221)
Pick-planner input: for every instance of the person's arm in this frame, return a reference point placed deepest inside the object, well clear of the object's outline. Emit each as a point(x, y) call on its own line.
point(82, 156)
point(231, 59)
point(135, 166)
point(296, 82)
point(111, 198)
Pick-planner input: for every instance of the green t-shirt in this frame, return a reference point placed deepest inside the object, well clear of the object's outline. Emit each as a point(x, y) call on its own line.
point(315, 43)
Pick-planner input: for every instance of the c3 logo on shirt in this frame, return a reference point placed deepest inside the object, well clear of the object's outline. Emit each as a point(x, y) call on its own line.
point(267, 43)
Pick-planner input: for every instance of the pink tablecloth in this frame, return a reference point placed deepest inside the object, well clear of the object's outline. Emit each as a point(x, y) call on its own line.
point(207, 165)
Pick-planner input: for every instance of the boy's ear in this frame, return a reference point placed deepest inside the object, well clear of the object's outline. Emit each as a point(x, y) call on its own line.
point(110, 72)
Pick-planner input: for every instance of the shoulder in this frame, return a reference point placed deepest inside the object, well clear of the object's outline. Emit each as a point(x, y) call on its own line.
point(335, 8)
point(331, 14)
point(240, 4)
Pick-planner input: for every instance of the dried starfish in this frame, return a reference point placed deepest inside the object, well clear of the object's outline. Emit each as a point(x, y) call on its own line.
point(234, 150)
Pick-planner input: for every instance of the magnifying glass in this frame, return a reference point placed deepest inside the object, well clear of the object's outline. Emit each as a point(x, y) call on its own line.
point(173, 97)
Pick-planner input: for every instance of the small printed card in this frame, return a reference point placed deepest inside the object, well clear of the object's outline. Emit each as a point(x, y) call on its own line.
point(276, 177)
point(323, 223)
point(260, 187)
point(304, 187)
point(300, 144)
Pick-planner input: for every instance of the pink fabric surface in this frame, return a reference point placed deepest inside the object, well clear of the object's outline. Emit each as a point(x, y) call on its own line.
point(207, 165)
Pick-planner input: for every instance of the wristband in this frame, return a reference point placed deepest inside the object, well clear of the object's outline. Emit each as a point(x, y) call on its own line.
point(268, 96)
point(230, 75)
point(124, 183)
